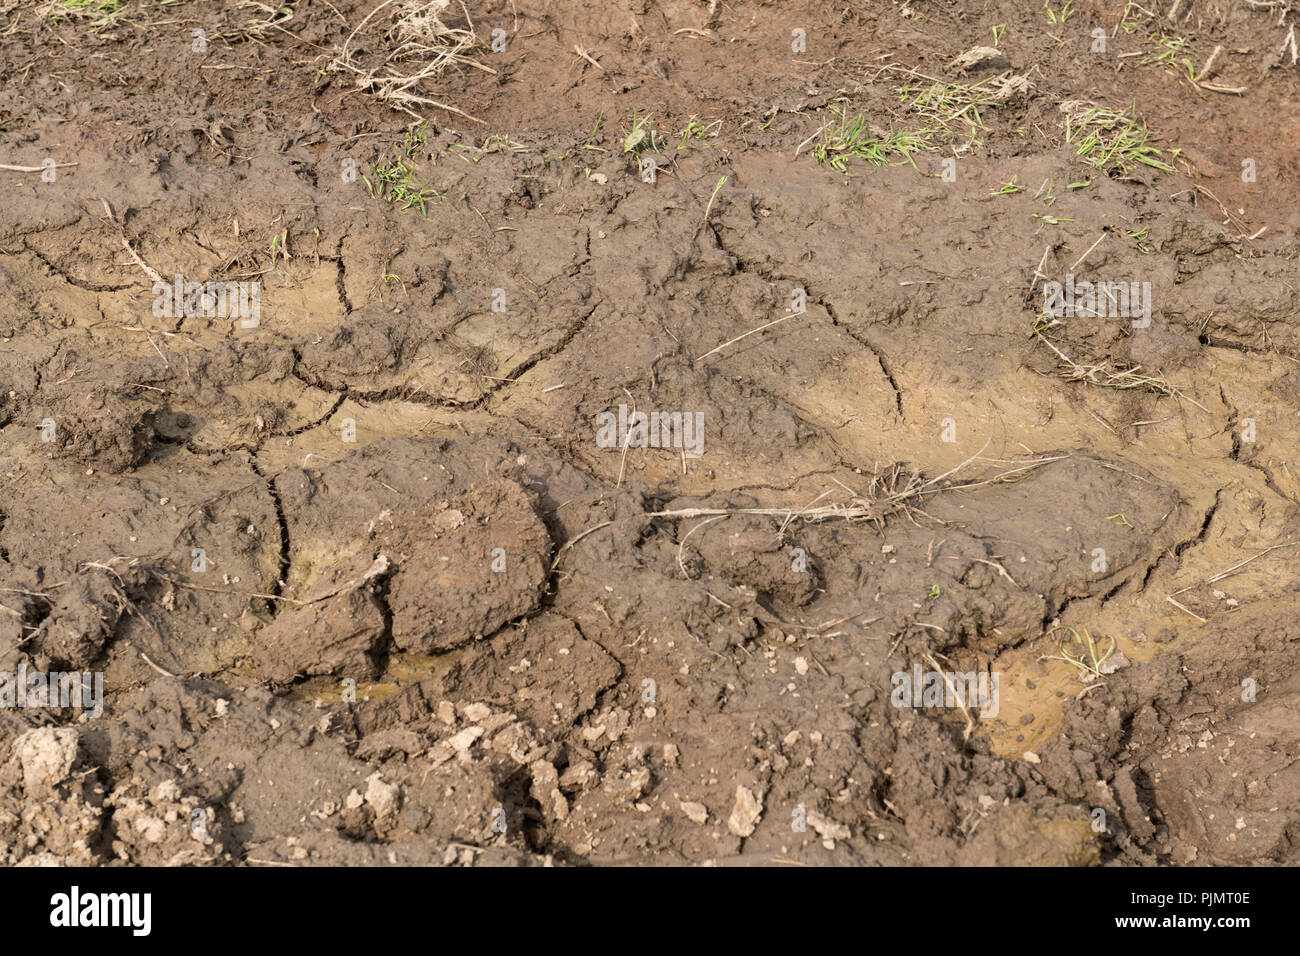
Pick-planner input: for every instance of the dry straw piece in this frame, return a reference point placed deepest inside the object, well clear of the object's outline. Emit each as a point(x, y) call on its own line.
point(401, 44)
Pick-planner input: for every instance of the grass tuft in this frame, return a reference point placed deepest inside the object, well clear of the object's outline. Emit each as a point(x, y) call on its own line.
point(1085, 653)
point(395, 182)
point(641, 136)
point(1112, 142)
point(952, 107)
point(99, 12)
point(844, 138)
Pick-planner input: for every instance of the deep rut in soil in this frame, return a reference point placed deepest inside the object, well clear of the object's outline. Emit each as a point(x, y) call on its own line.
point(370, 582)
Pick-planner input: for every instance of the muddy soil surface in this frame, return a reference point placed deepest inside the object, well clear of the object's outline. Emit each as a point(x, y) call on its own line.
point(380, 564)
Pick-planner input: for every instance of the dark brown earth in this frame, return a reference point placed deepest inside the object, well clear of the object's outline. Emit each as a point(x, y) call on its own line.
point(437, 621)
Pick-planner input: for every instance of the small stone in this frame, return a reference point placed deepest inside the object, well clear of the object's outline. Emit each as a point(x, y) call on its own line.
point(745, 813)
point(382, 797)
point(827, 829)
point(462, 741)
point(1113, 663)
point(167, 791)
point(448, 520)
point(695, 812)
point(579, 775)
point(546, 790)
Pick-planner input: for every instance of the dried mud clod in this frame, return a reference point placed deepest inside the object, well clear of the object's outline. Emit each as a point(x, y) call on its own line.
point(466, 569)
point(108, 431)
point(341, 629)
point(82, 618)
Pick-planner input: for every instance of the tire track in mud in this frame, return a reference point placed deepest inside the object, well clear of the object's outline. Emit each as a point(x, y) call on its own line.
point(965, 774)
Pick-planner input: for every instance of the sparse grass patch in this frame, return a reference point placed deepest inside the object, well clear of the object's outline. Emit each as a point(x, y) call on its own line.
point(99, 12)
point(1008, 188)
point(949, 105)
point(1169, 48)
point(279, 249)
point(844, 138)
point(395, 182)
point(591, 138)
point(953, 110)
point(697, 130)
point(496, 143)
point(1110, 141)
point(84, 7)
point(415, 139)
point(1142, 237)
point(716, 189)
point(1059, 16)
